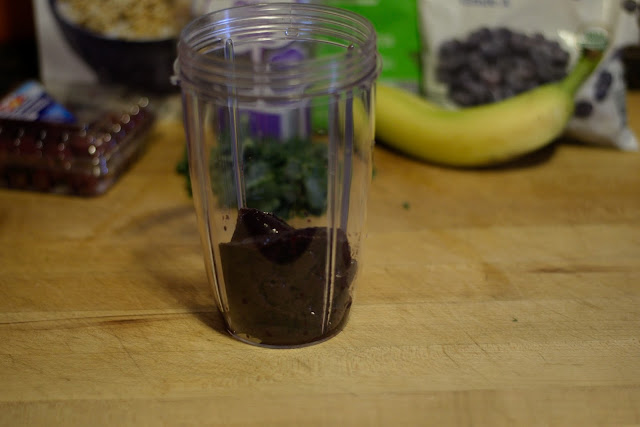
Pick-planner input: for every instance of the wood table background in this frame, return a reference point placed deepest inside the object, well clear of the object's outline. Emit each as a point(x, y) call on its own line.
point(506, 296)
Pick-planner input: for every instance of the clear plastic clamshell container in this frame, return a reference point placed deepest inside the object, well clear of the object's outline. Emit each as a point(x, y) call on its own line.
point(83, 151)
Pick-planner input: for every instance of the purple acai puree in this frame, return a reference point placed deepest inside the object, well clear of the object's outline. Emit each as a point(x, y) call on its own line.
point(276, 280)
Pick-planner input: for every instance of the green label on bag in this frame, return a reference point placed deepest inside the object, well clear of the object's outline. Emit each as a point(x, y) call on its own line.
point(396, 23)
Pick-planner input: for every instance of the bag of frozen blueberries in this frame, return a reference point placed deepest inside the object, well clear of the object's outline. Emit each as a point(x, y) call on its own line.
point(481, 51)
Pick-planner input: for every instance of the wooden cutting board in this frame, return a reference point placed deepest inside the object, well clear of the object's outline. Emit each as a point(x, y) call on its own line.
point(505, 296)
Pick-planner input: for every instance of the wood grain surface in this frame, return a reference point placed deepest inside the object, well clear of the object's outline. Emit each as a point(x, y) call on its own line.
point(494, 297)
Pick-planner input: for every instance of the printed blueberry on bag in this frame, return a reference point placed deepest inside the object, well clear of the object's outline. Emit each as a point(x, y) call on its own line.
point(477, 52)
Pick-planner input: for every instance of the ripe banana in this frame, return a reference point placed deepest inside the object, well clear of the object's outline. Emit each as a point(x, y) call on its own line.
point(483, 135)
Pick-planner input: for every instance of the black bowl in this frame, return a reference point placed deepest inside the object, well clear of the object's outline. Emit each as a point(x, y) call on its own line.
point(142, 65)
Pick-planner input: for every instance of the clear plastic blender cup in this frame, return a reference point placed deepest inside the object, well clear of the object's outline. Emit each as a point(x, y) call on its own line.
point(278, 104)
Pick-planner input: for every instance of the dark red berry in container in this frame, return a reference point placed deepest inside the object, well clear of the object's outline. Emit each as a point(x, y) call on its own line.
point(83, 145)
point(118, 132)
point(127, 121)
point(17, 177)
point(84, 184)
point(73, 158)
point(41, 180)
point(26, 144)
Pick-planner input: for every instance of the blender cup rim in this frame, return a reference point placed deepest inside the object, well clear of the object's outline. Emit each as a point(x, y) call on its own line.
point(204, 63)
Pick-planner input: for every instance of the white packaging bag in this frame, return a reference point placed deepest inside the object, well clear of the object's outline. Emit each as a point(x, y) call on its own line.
point(551, 29)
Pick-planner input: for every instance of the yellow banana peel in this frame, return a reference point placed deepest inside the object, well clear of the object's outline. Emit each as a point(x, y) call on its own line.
point(482, 135)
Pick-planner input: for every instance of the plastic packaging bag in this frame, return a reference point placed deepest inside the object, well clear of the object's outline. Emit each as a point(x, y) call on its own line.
point(396, 24)
point(481, 51)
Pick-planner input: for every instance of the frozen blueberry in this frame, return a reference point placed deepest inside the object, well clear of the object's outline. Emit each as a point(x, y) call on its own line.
point(503, 33)
point(445, 75)
point(480, 92)
point(505, 92)
point(463, 77)
point(490, 75)
point(524, 67)
point(558, 55)
point(545, 73)
point(477, 63)
point(479, 36)
point(506, 65)
point(470, 85)
point(558, 73)
point(493, 64)
point(541, 55)
point(451, 48)
point(583, 109)
point(518, 83)
point(492, 49)
point(519, 43)
point(462, 98)
point(452, 62)
point(528, 85)
point(539, 38)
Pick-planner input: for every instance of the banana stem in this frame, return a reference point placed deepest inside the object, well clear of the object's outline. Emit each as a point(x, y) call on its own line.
point(581, 71)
